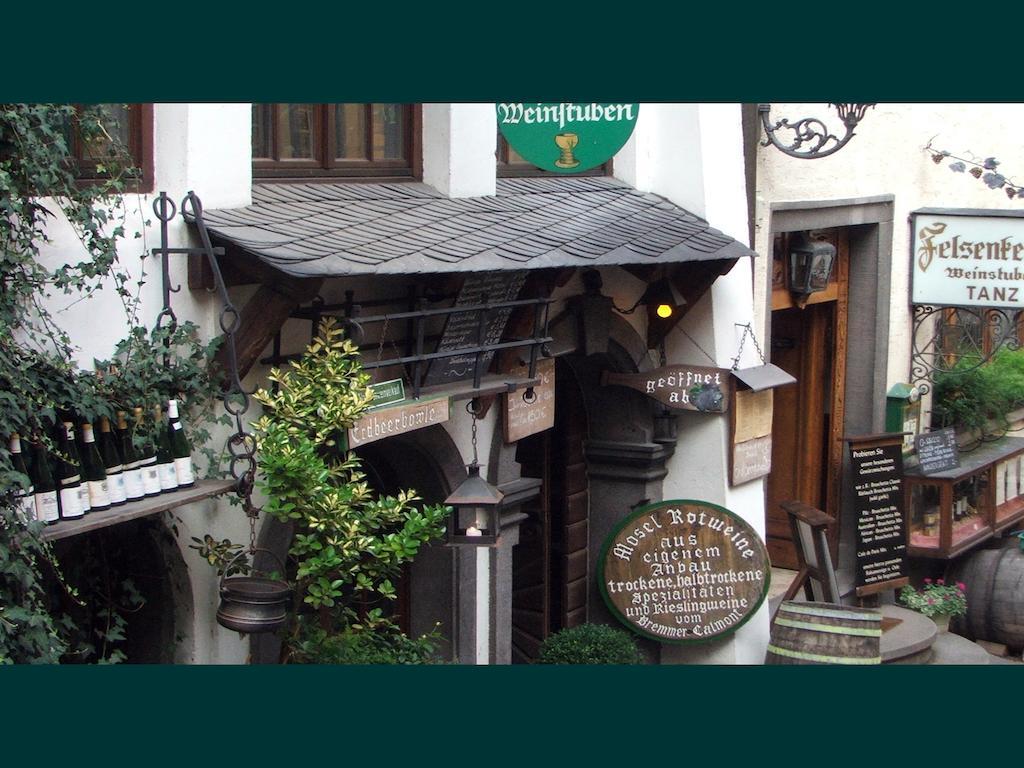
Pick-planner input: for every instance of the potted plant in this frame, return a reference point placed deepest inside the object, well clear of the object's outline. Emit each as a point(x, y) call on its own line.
point(589, 644)
point(938, 600)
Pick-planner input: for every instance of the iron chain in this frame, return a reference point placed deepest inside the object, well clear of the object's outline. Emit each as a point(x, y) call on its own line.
point(241, 445)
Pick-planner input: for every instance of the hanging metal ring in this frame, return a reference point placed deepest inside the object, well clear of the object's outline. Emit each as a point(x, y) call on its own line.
point(160, 206)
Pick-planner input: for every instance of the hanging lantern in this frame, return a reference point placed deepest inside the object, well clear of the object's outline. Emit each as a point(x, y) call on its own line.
point(477, 501)
point(253, 604)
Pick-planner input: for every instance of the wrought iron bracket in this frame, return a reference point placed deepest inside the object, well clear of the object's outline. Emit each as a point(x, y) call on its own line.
point(942, 341)
point(241, 445)
point(812, 132)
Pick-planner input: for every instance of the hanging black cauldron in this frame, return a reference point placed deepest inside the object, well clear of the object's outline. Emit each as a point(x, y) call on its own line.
point(253, 604)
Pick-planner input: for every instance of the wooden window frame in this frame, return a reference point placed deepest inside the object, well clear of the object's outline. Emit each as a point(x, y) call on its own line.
point(507, 170)
point(327, 167)
point(140, 147)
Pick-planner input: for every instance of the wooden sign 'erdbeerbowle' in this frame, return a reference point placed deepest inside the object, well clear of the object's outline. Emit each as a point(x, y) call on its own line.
point(686, 387)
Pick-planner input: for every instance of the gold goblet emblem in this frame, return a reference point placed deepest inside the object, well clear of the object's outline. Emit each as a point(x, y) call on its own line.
point(567, 143)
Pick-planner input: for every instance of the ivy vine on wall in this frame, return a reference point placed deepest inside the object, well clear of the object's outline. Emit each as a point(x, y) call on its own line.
point(40, 378)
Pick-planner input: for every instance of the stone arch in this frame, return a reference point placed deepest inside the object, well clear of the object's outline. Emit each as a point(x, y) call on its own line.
point(430, 457)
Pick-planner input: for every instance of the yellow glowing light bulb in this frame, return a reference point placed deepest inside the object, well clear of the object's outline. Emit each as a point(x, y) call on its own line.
point(664, 310)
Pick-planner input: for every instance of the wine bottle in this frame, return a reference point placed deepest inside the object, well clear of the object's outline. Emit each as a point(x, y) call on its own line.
point(181, 451)
point(164, 459)
point(25, 497)
point(93, 472)
point(76, 461)
point(112, 463)
point(133, 488)
point(147, 458)
point(69, 477)
point(47, 507)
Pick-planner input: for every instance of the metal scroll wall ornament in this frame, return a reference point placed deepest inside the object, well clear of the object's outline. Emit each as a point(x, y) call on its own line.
point(250, 604)
point(811, 138)
point(949, 340)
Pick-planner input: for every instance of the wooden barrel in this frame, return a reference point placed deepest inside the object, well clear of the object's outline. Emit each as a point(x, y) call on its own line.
point(994, 578)
point(825, 633)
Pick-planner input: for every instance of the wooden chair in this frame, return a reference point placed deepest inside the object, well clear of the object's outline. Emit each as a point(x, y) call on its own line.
point(816, 574)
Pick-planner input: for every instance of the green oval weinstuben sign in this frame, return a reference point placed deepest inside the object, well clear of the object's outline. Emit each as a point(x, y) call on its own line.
point(567, 137)
point(684, 571)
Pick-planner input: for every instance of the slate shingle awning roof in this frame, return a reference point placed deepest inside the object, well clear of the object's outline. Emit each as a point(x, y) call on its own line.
point(325, 230)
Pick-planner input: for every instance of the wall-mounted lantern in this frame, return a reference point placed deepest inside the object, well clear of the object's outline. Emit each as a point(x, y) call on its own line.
point(662, 299)
point(810, 264)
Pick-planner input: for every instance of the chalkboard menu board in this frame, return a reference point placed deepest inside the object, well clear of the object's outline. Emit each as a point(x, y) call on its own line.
point(878, 501)
point(683, 571)
point(462, 328)
point(937, 451)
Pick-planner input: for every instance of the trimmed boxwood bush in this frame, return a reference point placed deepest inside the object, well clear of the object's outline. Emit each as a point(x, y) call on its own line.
point(590, 644)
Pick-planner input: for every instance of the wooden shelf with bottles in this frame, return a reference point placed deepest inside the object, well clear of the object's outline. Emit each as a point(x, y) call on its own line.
point(203, 489)
point(951, 512)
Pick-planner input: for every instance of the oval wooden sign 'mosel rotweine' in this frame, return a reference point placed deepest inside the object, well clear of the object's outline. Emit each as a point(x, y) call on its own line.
point(683, 571)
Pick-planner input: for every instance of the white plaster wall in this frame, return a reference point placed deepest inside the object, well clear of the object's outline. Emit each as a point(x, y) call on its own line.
point(885, 157)
point(459, 142)
point(692, 154)
point(205, 148)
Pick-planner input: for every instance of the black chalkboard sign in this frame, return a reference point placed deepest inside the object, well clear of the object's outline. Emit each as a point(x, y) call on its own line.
point(877, 464)
point(937, 451)
point(463, 328)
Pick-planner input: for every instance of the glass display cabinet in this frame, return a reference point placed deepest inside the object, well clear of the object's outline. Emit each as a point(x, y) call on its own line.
point(951, 511)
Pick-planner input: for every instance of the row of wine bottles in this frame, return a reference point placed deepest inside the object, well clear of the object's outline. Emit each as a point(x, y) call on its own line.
point(89, 472)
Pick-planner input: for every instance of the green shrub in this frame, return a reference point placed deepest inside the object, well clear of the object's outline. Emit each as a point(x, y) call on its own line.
point(590, 644)
point(383, 645)
point(968, 397)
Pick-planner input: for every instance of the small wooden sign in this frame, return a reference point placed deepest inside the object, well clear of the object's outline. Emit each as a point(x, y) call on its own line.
point(751, 455)
point(683, 571)
point(751, 459)
point(527, 418)
point(937, 451)
point(398, 419)
point(686, 387)
point(877, 462)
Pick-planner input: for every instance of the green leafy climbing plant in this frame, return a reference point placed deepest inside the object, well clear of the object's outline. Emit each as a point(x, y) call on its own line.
point(39, 375)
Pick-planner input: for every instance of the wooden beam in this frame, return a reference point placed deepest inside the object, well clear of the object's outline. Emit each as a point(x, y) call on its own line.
point(240, 267)
point(261, 319)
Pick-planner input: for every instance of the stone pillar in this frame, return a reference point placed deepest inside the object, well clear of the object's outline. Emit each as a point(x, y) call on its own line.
point(622, 477)
point(484, 576)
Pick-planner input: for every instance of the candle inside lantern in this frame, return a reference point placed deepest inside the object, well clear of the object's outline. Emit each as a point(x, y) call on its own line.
point(473, 531)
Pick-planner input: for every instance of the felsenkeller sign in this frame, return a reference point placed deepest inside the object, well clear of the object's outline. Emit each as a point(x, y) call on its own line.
point(967, 258)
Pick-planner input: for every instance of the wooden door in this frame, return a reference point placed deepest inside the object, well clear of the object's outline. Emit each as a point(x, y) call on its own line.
point(549, 565)
point(810, 344)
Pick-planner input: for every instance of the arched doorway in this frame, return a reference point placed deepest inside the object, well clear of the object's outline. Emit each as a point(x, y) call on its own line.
point(603, 435)
point(133, 598)
point(549, 565)
point(425, 460)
